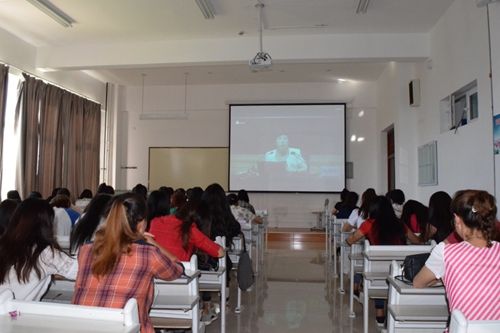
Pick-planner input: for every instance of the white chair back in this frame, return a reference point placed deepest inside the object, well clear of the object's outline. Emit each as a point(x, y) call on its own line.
point(76, 314)
point(460, 324)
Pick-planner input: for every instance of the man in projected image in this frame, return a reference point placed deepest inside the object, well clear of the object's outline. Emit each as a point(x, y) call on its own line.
point(283, 153)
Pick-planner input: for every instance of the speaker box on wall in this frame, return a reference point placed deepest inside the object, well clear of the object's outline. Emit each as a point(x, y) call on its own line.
point(414, 92)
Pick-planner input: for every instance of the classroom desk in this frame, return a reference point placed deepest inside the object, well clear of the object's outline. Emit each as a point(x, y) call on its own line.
point(372, 256)
point(415, 308)
point(29, 323)
point(333, 238)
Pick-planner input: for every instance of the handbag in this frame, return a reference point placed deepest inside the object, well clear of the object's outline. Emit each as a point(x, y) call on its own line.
point(245, 274)
point(413, 264)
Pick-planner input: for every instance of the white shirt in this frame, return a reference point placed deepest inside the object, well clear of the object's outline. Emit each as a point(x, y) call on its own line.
point(62, 222)
point(50, 263)
point(355, 218)
point(435, 262)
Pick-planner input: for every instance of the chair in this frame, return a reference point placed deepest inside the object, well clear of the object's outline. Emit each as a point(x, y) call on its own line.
point(176, 303)
point(234, 254)
point(460, 324)
point(216, 282)
point(376, 263)
point(60, 291)
point(54, 317)
point(419, 309)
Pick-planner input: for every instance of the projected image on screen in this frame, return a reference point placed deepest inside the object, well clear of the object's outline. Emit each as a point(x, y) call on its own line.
point(287, 148)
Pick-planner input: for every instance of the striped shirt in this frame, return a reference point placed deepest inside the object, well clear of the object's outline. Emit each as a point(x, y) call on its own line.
point(471, 276)
point(132, 277)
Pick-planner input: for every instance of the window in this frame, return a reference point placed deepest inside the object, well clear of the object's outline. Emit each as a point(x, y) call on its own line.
point(427, 164)
point(459, 108)
point(11, 138)
point(473, 111)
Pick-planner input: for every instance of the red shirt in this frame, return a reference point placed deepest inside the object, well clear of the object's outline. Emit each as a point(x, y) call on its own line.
point(132, 277)
point(368, 231)
point(167, 232)
point(454, 237)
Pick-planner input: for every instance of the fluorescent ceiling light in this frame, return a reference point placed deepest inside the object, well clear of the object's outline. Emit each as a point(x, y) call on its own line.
point(361, 139)
point(55, 13)
point(353, 137)
point(206, 8)
point(361, 113)
point(362, 6)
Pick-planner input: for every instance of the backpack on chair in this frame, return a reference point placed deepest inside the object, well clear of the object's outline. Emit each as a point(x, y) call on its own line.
point(245, 274)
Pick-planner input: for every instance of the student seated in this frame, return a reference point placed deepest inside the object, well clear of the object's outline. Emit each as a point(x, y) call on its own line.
point(416, 217)
point(470, 270)
point(359, 215)
point(349, 205)
point(381, 228)
point(243, 215)
point(440, 216)
point(29, 252)
point(122, 261)
point(7, 208)
point(88, 223)
point(397, 198)
point(180, 236)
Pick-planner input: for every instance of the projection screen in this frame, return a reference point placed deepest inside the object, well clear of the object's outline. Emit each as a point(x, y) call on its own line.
point(287, 147)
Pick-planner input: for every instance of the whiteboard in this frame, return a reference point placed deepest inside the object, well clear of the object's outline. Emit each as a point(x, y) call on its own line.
point(187, 167)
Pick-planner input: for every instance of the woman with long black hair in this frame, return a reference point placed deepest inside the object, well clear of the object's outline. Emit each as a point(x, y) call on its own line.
point(88, 223)
point(29, 252)
point(383, 228)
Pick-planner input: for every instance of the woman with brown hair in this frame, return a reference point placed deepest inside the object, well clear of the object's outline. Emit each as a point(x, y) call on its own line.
point(469, 269)
point(122, 261)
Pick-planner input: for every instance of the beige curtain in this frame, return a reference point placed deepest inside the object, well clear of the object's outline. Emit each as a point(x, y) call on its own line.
point(73, 144)
point(81, 145)
point(27, 112)
point(50, 160)
point(91, 144)
point(4, 76)
point(60, 137)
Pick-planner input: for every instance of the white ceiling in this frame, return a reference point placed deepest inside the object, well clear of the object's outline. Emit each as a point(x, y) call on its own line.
point(100, 22)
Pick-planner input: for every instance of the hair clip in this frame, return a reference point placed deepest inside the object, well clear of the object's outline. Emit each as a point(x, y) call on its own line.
point(474, 210)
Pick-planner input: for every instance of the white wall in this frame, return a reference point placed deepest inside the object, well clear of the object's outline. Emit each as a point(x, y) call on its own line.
point(15, 52)
point(208, 125)
point(459, 55)
point(494, 10)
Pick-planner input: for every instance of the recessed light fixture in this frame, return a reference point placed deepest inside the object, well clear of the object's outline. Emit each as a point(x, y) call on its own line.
point(353, 137)
point(361, 139)
point(241, 33)
point(361, 113)
point(341, 80)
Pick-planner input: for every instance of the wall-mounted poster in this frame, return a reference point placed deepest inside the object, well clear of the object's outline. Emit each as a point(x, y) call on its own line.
point(496, 134)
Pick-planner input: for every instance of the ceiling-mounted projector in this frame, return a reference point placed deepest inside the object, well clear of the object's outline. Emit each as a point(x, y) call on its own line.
point(261, 61)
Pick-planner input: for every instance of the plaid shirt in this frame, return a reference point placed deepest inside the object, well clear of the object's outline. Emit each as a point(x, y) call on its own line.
point(132, 277)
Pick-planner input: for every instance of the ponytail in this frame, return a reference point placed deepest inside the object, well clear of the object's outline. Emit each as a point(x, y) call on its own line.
point(119, 232)
point(187, 214)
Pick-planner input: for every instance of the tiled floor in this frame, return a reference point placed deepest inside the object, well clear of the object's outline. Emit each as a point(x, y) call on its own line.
point(293, 293)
